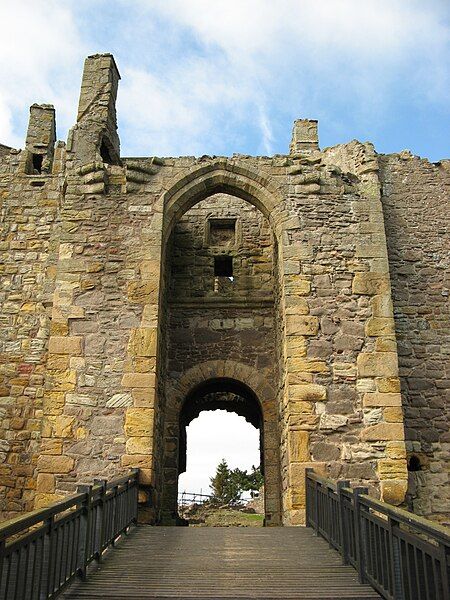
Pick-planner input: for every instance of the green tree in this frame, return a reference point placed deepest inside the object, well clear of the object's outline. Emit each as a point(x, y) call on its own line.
point(223, 485)
point(248, 482)
point(227, 485)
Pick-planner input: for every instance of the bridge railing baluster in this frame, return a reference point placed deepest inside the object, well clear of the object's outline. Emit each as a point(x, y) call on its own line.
point(403, 556)
point(41, 552)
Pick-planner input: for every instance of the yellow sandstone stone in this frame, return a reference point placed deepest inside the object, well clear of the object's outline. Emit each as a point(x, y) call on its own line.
point(298, 446)
point(150, 269)
point(43, 500)
point(381, 364)
point(45, 483)
point(396, 450)
point(139, 422)
point(296, 346)
point(394, 491)
point(63, 426)
point(301, 325)
point(137, 461)
point(65, 345)
point(139, 445)
point(55, 464)
point(59, 328)
point(81, 433)
point(307, 365)
point(51, 446)
point(301, 408)
point(377, 326)
point(143, 292)
point(309, 391)
point(297, 473)
point(392, 469)
point(393, 414)
point(370, 283)
point(296, 285)
point(383, 432)
point(144, 398)
point(143, 342)
point(381, 399)
point(138, 380)
point(385, 344)
point(388, 384)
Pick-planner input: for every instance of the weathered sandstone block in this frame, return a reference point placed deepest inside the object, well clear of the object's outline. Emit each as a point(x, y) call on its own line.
point(382, 399)
point(383, 431)
point(377, 364)
point(55, 464)
point(65, 345)
point(139, 422)
point(370, 283)
point(301, 325)
point(138, 380)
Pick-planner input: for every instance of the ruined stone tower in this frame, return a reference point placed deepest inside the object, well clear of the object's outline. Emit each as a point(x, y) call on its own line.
point(303, 291)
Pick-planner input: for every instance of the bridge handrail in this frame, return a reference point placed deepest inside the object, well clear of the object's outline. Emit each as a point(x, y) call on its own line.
point(41, 552)
point(403, 556)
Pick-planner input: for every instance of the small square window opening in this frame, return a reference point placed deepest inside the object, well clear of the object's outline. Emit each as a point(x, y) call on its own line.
point(223, 266)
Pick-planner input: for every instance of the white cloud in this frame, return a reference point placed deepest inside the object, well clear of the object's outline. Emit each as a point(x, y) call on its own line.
point(40, 61)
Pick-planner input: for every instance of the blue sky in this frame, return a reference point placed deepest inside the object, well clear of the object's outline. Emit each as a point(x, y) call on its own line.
point(202, 77)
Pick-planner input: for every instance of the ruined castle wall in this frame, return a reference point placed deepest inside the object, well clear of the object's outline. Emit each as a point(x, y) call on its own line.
point(29, 206)
point(417, 216)
point(307, 321)
point(343, 405)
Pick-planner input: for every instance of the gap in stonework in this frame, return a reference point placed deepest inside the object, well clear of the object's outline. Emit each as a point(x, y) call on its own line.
point(212, 437)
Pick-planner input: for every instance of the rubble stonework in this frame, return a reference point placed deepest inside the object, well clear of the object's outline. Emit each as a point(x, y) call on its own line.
point(121, 319)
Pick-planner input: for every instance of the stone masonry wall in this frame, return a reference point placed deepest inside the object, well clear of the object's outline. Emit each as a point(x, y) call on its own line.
point(29, 205)
point(222, 226)
point(97, 339)
point(417, 215)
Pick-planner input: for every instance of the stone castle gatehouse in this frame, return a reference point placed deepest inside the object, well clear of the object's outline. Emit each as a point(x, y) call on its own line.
point(305, 291)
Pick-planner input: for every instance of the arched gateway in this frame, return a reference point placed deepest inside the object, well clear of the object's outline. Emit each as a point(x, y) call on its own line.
point(231, 386)
point(139, 291)
point(219, 294)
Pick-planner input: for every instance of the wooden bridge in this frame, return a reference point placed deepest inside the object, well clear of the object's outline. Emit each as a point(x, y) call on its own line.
point(222, 562)
point(88, 547)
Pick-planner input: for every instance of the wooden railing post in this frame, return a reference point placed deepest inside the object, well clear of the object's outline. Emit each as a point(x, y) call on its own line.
point(359, 533)
point(49, 552)
point(85, 532)
point(316, 507)
point(329, 517)
point(445, 562)
point(396, 566)
point(114, 515)
point(135, 494)
point(100, 524)
point(342, 528)
point(308, 498)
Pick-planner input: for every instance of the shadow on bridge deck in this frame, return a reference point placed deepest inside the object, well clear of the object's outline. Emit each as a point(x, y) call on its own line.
point(225, 562)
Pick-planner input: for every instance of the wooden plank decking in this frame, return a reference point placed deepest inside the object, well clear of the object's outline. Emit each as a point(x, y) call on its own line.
point(222, 562)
